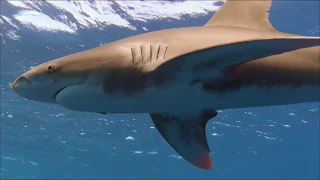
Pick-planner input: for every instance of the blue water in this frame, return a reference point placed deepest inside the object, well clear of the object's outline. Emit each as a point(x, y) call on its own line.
point(47, 141)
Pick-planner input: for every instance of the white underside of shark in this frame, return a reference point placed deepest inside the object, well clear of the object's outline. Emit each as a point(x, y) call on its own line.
point(181, 98)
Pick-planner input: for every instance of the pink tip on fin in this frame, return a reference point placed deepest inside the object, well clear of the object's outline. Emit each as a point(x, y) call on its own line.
point(203, 162)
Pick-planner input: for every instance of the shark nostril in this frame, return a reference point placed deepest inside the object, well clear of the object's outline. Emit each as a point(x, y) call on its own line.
point(20, 81)
point(23, 80)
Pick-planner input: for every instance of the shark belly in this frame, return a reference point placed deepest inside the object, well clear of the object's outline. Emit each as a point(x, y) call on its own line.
point(182, 97)
point(255, 96)
point(91, 98)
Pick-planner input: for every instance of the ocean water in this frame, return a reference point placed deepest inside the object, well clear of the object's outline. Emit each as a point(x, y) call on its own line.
point(42, 141)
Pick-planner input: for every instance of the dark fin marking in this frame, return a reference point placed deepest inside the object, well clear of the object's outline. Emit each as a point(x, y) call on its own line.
point(187, 135)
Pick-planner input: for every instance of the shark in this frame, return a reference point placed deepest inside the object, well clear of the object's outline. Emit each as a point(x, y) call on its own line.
point(183, 76)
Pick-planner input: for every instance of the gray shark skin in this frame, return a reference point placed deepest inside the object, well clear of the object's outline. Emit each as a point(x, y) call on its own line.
point(181, 76)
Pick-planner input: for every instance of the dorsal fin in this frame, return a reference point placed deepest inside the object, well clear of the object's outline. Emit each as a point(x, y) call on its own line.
point(251, 14)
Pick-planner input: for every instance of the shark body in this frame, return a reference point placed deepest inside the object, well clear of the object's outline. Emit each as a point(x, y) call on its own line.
point(182, 76)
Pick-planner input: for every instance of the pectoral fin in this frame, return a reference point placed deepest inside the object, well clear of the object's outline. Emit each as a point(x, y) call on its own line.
point(185, 132)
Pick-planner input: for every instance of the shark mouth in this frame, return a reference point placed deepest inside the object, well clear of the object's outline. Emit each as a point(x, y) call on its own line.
point(55, 95)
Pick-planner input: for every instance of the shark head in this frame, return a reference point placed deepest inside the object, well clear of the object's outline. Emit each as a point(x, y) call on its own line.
point(44, 82)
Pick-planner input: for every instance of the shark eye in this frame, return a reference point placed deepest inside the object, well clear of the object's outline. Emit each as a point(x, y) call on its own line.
point(50, 68)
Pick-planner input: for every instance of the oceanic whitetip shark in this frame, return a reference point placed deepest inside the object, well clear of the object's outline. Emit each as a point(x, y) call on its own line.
point(181, 76)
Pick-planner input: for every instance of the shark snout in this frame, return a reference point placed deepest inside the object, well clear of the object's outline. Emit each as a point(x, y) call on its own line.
point(32, 88)
point(20, 82)
point(39, 85)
